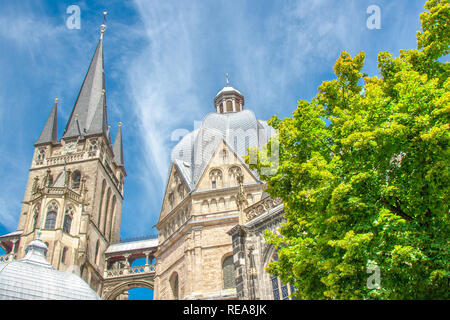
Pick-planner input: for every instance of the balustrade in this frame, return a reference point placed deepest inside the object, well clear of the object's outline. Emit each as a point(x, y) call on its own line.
point(129, 271)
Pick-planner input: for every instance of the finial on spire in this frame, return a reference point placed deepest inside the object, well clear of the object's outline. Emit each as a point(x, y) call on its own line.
point(228, 80)
point(103, 25)
point(56, 100)
point(120, 123)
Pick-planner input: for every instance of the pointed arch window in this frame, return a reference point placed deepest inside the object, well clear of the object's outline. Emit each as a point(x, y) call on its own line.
point(216, 178)
point(102, 193)
point(40, 154)
point(110, 230)
point(50, 221)
point(233, 173)
point(107, 203)
point(76, 178)
point(93, 145)
point(228, 273)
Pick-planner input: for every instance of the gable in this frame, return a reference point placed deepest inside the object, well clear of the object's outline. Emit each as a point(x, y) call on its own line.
point(223, 167)
point(176, 190)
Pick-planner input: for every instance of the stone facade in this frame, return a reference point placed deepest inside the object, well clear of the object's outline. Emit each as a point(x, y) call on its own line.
point(193, 239)
point(251, 253)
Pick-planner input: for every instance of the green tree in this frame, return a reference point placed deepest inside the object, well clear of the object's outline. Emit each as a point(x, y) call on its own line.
point(364, 176)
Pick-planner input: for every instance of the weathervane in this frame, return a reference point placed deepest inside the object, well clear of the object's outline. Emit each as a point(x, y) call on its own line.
point(103, 25)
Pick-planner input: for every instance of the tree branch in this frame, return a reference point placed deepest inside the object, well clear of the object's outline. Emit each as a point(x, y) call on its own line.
point(396, 209)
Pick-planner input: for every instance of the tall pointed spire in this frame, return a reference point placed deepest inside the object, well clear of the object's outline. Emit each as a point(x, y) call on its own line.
point(91, 100)
point(50, 132)
point(118, 147)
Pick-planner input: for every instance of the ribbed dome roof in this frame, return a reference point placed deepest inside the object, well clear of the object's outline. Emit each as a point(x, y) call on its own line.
point(33, 278)
point(238, 129)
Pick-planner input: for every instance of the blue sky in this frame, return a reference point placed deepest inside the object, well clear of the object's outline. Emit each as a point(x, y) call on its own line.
point(164, 62)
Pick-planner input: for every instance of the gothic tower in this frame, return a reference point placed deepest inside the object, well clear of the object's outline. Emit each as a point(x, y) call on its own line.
point(73, 197)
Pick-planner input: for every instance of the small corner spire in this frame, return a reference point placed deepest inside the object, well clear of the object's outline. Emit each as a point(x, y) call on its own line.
point(118, 147)
point(228, 80)
point(49, 133)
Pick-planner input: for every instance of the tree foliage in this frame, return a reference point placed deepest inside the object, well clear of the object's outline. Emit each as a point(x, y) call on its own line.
point(364, 176)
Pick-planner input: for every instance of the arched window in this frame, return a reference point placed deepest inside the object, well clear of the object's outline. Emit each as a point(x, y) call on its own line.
point(233, 173)
point(93, 145)
point(102, 193)
point(50, 221)
point(76, 178)
point(111, 218)
point(205, 206)
point(174, 285)
point(40, 154)
point(216, 178)
point(228, 273)
point(105, 218)
point(229, 106)
point(63, 255)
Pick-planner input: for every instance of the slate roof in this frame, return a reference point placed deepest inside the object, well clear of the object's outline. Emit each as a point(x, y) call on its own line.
point(132, 245)
point(193, 153)
point(91, 101)
point(118, 148)
point(50, 132)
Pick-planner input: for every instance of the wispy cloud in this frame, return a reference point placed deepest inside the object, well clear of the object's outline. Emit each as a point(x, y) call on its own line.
point(160, 80)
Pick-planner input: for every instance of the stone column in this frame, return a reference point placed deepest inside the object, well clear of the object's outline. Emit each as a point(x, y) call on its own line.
point(234, 105)
point(147, 267)
point(105, 270)
point(13, 250)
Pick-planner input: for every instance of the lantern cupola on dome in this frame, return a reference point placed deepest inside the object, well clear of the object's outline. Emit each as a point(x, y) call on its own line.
point(229, 99)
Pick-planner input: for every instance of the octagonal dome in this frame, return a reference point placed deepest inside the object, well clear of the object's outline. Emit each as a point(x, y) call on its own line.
point(239, 130)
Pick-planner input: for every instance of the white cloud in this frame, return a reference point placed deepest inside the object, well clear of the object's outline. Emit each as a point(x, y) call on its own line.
point(160, 83)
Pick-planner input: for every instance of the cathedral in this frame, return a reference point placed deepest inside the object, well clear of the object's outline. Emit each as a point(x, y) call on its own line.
point(210, 242)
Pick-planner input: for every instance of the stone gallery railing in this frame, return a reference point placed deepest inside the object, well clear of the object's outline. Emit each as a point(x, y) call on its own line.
point(260, 207)
point(129, 271)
